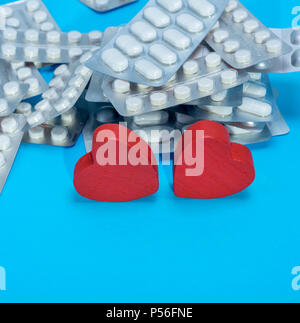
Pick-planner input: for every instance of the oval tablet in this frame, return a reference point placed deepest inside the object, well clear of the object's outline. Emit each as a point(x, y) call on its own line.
point(129, 45)
point(171, 5)
point(203, 8)
point(148, 70)
point(144, 31)
point(256, 107)
point(157, 17)
point(176, 39)
point(115, 60)
point(163, 54)
point(189, 23)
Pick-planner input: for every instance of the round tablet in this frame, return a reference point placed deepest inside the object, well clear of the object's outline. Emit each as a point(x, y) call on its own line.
point(63, 105)
point(24, 108)
point(134, 105)
point(57, 82)
point(182, 92)
point(229, 77)
point(40, 16)
point(206, 85)
point(274, 46)
point(13, 22)
point(59, 134)
point(34, 85)
point(43, 106)
point(2, 160)
point(231, 46)
point(31, 52)
point(47, 26)
point(9, 50)
point(3, 106)
point(70, 93)
point(36, 133)
point(53, 37)
point(83, 71)
point(121, 86)
point(213, 60)
point(255, 76)
point(95, 36)
point(35, 117)
point(220, 35)
point(74, 37)
point(75, 52)
point(24, 73)
point(143, 87)
point(6, 12)
point(243, 56)
point(250, 26)
point(11, 89)
point(232, 5)
point(32, 5)
point(5, 142)
point(68, 117)
point(50, 94)
point(240, 15)
point(191, 67)
point(219, 96)
point(32, 35)
point(53, 53)
point(158, 99)
point(10, 34)
point(77, 81)
point(262, 36)
point(62, 71)
point(9, 125)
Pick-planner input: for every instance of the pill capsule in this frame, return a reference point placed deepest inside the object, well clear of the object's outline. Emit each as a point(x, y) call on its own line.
point(255, 76)
point(176, 39)
point(171, 5)
point(254, 90)
point(157, 17)
point(59, 134)
point(115, 60)
point(189, 23)
point(206, 85)
point(134, 104)
point(182, 92)
point(2, 160)
point(191, 67)
point(163, 54)
point(221, 111)
point(203, 8)
point(184, 118)
point(36, 133)
point(256, 107)
point(153, 118)
point(5, 142)
point(11, 89)
point(158, 99)
point(144, 31)
point(24, 108)
point(3, 106)
point(229, 77)
point(120, 86)
point(129, 45)
point(219, 97)
point(148, 70)
point(9, 125)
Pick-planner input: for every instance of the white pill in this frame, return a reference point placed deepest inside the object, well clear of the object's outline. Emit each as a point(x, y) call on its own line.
point(255, 76)
point(59, 134)
point(63, 105)
point(47, 26)
point(70, 93)
point(129, 45)
point(3, 106)
point(177, 39)
point(148, 70)
point(250, 26)
point(191, 67)
point(203, 8)
point(36, 133)
point(152, 119)
point(262, 36)
point(189, 23)
point(240, 15)
point(182, 92)
point(115, 60)
point(2, 160)
point(218, 97)
point(10, 34)
point(255, 107)
point(238, 129)
point(9, 125)
point(171, 5)
point(40, 17)
point(143, 87)
point(31, 52)
point(53, 37)
point(220, 36)
point(24, 73)
point(158, 99)
point(35, 118)
point(34, 85)
point(13, 22)
point(274, 46)
point(163, 54)
point(43, 106)
point(6, 12)
point(75, 52)
point(255, 90)
point(156, 17)
point(232, 5)
point(83, 71)
point(95, 36)
point(62, 71)
point(243, 56)
point(68, 117)
point(9, 50)
point(32, 5)
point(121, 86)
point(17, 65)
point(134, 104)
point(11, 89)
point(32, 35)
point(213, 60)
point(229, 77)
point(206, 85)
point(144, 31)
point(50, 95)
point(54, 53)
point(77, 81)
point(57, 82)
point(24, 108)
point(74, 37)
point(231, 46)
point(221, 111)
point(5, 142)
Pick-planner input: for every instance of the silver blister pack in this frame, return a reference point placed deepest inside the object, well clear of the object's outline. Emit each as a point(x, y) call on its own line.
point(46, 47)
point(156, 43)
point(28, 14)
point(65, 89)
point(106, 5)
point(62, 131)
point(11, 133)
point(95, 91)
point(30, 75)
point(12, 91)
point(196, 79)
point(242, 40)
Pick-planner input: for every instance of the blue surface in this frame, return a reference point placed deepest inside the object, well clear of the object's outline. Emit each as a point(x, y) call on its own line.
point(59, 247)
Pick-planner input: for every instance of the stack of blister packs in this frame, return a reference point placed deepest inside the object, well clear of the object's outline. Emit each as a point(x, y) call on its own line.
point(175, 63)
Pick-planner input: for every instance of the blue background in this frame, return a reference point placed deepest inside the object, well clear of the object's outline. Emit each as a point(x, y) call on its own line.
point(59, 247)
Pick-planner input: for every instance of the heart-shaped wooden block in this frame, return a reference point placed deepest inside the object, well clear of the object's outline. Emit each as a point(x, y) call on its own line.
point(120, 168)
point(208, 166)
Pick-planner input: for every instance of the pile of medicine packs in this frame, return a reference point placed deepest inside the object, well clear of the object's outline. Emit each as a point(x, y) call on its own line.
point(175, 63)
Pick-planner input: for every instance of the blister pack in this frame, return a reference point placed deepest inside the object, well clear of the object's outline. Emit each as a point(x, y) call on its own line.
point(155, 44)
point(12, 91)
point(65, 89)
point(196, 79)
point(28, 14)
point(95, 91)
point(242, 40)
point(30, 75)
point(11, 133)
point(46, 47)
point(106, 5)
point(62, 131)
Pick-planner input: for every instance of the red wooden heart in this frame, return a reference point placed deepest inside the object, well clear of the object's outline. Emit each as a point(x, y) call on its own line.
point(117, 180)
point(227, 168)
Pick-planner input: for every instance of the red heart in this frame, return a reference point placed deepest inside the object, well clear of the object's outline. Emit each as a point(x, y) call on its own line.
point(116, 181)
point(226, 168)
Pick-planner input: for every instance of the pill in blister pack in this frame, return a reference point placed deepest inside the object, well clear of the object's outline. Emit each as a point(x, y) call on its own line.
point(29, 74)
point(11, 133)
point(12, 91)
point(62, 131)
point(156, 43)
point(46, 47)
point(28, 14)
point(106, 5)
point(95, 92)
point(196, 79)
point(242, 40)
point(65, 89)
